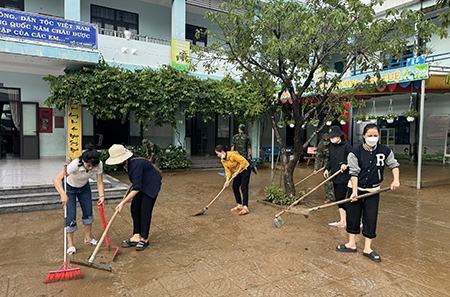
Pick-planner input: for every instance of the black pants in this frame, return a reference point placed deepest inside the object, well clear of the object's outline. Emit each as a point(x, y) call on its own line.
point(366, 208)
point(240, 183)
point(340, 192)
point(141, 212)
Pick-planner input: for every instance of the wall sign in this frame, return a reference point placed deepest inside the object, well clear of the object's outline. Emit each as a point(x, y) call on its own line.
point(37, 28)
point(180, 47)
point(74, 131)
point(45, 120)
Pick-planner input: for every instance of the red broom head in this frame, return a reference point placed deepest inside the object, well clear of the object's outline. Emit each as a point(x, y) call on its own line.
point(63, 274)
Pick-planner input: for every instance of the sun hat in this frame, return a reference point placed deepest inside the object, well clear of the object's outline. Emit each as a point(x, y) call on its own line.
point(335, 131)
point(118, 154)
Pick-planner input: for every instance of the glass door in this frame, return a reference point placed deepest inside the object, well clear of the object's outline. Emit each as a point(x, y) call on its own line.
point(29, 136)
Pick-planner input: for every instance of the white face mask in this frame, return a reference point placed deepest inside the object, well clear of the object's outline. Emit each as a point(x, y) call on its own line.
point(335, 139)
point(372, 141)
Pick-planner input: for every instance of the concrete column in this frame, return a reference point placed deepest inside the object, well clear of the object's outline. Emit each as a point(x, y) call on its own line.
point(255, 138)
point(178, 19)
point(179, 133)
point(72, 10)
point(420, 148)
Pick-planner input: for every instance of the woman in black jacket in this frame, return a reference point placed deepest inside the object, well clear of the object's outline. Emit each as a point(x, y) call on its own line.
point(146, 184)
point(339, 149)
point(367, 163)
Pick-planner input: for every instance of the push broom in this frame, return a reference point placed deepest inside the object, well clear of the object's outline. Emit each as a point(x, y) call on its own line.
point(65, 272)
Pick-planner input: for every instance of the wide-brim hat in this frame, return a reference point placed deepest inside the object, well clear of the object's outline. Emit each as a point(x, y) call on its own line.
point(335, 131)
point(118, 154)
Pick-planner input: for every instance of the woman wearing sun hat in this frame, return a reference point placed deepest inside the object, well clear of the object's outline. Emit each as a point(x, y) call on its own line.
point(146, 183)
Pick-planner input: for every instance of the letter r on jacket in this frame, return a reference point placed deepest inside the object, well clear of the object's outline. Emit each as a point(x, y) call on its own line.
point(380, 159)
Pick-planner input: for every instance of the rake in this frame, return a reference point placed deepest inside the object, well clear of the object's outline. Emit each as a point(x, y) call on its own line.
point(278, 220)
point(306, 211)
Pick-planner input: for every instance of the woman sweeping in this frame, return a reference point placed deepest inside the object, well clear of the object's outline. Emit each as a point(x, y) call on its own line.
point(338, 152)
point(367, 162)
point(79, 172)
point(238, 168)
point(146, 183)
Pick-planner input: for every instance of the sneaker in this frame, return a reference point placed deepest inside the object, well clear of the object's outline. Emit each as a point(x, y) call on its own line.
point(337, 225)
point(71, 250)
point(93, 241)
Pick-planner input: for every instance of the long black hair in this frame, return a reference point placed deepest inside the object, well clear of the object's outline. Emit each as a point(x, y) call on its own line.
point(90, 155)
point(370, 126)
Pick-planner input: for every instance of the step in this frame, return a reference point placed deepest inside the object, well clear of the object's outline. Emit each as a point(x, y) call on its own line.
point(53, 203)
point(26, 197)
point(45, 188)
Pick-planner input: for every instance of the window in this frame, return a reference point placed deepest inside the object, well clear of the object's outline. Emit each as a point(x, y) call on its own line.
point(114, 19)
point(397, 63)
point(191, 35)
point(339, 67)
point(12, 4)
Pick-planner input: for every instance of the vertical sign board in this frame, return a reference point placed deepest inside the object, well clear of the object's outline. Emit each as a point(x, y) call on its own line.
point(74, 131)
point(181, 54)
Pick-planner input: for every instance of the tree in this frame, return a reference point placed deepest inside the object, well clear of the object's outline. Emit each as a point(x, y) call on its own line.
point(291, 43)
point(155, 97)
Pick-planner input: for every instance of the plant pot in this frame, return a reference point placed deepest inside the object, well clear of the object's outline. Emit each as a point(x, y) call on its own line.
point(390, 120)
point(410, 119)
point(373, 121)
point(329, 123)
point(292, 125)
point(342, 122)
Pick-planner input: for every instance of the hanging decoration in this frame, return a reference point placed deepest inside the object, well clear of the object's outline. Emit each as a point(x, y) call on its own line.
point(373, 114)
point(390, 116)
point(411, 114)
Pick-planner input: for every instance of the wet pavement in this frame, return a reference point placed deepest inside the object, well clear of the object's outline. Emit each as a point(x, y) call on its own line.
point(221, 254)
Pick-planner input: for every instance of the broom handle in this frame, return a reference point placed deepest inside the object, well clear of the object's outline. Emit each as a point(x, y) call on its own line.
point(307, 194)
point(65, 218)
point(221, 191)
point(99, 243)
point(349, 199)
point(312, 174)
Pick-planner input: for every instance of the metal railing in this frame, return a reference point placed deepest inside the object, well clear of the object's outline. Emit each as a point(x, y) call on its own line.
point(132, 36)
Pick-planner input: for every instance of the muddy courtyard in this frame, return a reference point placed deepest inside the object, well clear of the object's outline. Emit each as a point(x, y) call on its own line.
point(223, 254)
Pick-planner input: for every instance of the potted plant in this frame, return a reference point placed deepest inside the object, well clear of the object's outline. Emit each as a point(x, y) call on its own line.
point(361, 118)
point(314, 122)
point(280, 124)
point(291, 123)
point(411, 115)
point(329, 123)
point(390, 117)
point(372, 118)
point(342, 120)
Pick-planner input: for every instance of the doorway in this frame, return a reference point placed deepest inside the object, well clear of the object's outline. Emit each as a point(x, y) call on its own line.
point(109, 132)
point(10, 120)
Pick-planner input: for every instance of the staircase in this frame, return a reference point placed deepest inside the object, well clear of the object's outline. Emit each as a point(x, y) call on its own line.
point(41, 197)
point(205, 162)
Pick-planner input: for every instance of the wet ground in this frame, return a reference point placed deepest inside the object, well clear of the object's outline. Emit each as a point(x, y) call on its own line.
point(221, 254)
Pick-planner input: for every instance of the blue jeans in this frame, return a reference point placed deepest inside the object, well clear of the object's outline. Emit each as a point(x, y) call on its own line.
point(84, 196)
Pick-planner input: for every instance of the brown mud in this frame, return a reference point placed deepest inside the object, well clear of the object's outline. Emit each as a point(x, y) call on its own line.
point(222, 254)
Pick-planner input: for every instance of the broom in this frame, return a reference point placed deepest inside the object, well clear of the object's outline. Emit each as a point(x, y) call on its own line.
point(64, 272)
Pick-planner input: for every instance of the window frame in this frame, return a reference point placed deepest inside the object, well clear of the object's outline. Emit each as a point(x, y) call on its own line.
point(194, 40)
point(115, 22)
point(20, 6)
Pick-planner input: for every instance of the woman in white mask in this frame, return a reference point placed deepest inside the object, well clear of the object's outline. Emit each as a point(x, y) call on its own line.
point(338, 153)
point(366, 164)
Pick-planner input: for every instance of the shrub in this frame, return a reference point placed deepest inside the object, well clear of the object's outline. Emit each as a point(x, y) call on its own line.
point(276, 195)
point(173, 157)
